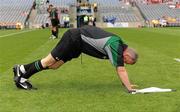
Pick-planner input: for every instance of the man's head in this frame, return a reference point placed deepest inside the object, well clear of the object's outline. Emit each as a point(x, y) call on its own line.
point(49, 8)
point(130, 56)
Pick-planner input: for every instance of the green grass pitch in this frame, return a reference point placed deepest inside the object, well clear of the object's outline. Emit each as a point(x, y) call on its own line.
point(92, 86)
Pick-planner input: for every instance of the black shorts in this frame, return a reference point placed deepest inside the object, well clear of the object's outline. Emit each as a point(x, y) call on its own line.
point(54, 22)
point(68, 47)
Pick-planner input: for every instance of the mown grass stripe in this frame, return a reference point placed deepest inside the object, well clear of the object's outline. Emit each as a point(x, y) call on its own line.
point(11, 34)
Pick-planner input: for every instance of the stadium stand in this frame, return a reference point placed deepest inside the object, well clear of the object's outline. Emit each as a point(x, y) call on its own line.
point(115, 10)
point(120, 14)
point(14, 11)
point(63, 3)
point(104, 3)
point(20, 12)
point(41, 17)
point(155, 12)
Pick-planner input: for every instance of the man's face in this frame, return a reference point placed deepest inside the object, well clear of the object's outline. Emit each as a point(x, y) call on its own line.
point(128, 59)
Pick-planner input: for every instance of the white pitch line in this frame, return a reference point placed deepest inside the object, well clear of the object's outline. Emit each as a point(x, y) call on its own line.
point(177, 59)
point(15, 33)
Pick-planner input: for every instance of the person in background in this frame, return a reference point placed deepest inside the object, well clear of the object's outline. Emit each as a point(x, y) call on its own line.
point(53, 15)
point(66, 21)
point(86, 20)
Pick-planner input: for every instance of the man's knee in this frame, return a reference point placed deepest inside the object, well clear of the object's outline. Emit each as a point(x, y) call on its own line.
point(54, 28)
point(56, 65)
point(48, 61)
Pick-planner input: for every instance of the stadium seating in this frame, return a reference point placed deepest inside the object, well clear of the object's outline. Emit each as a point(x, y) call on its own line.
point(104, 3)
point(13, 11)
point(63, 3)
point(42, 15)
point(115, 9)
point(41, 19)
point(156, 11)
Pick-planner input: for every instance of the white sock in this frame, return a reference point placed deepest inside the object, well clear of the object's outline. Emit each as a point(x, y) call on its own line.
point(22, 69)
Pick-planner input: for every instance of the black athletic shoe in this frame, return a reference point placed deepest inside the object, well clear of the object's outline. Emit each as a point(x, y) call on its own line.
point(17, 77)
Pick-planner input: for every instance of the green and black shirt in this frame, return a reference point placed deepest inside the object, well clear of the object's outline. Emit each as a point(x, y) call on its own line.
point(53, 14)
point(101, 44)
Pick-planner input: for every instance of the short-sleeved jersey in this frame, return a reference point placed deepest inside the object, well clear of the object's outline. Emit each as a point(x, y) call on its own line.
point(53, 13)
point(101, 44)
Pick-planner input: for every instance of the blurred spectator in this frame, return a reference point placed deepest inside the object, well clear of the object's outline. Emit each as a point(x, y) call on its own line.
point(86, 20)
point(92, 21)
point(110, 19)
point(162, 22)
point(18, 25)
point(155, 23)
point(66, 20)
point(95, 7)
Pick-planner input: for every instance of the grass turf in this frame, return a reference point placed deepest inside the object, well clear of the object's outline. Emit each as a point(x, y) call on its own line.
point(92, 86)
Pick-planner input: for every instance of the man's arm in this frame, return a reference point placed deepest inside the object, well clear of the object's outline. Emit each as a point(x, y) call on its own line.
point(123, 75)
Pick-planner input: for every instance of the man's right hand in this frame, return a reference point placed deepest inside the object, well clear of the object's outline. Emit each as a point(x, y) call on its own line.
point(132, 90)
